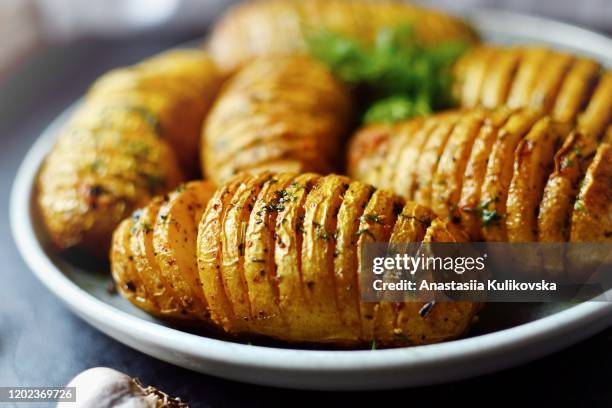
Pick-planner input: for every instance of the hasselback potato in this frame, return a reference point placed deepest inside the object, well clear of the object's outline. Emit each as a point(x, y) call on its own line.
point(281, 27)
point(134, 136)
point(278, 256)
point(278, 114)
point(503, 175)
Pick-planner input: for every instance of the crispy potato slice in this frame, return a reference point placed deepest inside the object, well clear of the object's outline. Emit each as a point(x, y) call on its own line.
point(376, 225)
point(551, 77)
point(575, 89)
point(367, 152)
point(127, 279)
point(492, 206)
point(259, 265)
point(345, 256)
point(420, 322)
point(475, 170)
point(533, 162)
point(174, 242)
point(288, 256)
point(592, 214)
point(320, 212)
point(447, 181)
point(402, 170)
point(571, 162)
point(527, 76)
point(475, 73)
point(412, 224)
point(233, 244)
point(209, 254)
point(271, 154)
point(156, 283)
point(498, 81)
point(592, 217)
point(598, 114)
point(429, 159)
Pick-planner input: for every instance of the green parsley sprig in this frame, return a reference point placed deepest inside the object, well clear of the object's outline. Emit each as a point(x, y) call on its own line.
point(402, 77)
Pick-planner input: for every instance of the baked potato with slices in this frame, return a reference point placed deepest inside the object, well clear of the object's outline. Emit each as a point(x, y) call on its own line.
point(282, 27)
point(277, 114)
point(502, 175)
point(135, 135)
point(277, 255)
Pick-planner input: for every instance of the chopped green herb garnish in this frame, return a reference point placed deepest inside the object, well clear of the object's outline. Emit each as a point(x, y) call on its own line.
point(373, 218)
point(490, 217)
point(577, 151)
point(403, 77)
point(365, 231)
point(567, 162)
point(579, 205)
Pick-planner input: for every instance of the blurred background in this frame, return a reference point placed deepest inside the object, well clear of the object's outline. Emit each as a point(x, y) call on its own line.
point(28, 25)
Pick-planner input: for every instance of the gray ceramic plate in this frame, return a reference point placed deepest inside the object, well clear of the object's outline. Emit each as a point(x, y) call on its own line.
point(507, 334)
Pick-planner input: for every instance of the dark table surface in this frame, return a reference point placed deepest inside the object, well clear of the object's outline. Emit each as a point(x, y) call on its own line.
point(43, 343)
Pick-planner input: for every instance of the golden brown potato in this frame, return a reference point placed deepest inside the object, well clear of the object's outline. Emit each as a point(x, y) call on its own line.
point(278, 256)
point(503, 175)
point(277, 114)
point(135, 136)
point(281, 27)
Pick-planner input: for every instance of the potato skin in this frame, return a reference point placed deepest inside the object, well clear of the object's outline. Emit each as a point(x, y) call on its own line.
point(281, 27)
point(134, 136)
point(278, 256)
point(276, 114)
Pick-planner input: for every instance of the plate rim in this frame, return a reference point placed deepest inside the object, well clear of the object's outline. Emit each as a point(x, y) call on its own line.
point(226, 359)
